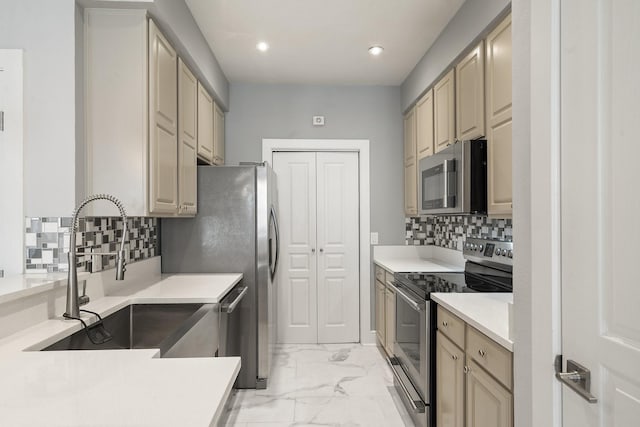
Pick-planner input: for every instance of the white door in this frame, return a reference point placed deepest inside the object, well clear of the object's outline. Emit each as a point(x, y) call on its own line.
point(11, 155)
point(319, 220)
point(600, 89)
point(337, 239)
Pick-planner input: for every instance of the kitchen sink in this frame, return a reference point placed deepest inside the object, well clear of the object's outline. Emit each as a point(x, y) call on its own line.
point(178, 330)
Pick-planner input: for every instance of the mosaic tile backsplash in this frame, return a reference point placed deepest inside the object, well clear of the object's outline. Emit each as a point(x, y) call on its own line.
point(47, 242)
point(452, 231)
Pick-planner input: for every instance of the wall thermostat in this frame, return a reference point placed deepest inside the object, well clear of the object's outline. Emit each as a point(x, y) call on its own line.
point(318, 120)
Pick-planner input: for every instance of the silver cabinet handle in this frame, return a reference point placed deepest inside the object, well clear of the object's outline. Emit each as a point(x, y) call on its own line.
point(454, 357)
point(482, 353)
point(321, 250)
point(313, 250)
point(466, 369)
point(577, 378)
point(444, 323)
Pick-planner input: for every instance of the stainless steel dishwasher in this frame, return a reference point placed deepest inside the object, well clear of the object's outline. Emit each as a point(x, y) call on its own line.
point(229, 336)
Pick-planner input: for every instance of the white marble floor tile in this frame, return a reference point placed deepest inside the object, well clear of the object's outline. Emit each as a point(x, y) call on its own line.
point(327, 385)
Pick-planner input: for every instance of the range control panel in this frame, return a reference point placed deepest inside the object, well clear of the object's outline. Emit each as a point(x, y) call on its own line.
point(489, 250)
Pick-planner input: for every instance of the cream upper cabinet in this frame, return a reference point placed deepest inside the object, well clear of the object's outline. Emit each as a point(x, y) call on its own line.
point(470, 95)
point(205, 125)
point(163, 124)
point(424, 125)
point(131, 113)
point(410, 165)
point(218, 139)
point(444, 113)
point(499, 115)
point(449, 383)
point(187, 140)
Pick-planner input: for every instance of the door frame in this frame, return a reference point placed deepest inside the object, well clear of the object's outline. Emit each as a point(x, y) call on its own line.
point(361, 146)
point(536, 211)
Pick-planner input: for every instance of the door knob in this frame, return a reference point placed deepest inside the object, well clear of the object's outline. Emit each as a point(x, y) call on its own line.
point(577, 378)
point(321, 250)
point(313, 250)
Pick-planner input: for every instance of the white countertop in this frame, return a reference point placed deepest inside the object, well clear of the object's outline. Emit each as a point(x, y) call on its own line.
point(22, 285)
point(116, 387)
point(487, 312)
point(418, 259)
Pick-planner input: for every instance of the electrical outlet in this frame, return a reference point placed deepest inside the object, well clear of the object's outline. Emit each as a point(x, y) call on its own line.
point(318, 120)
point(374, 238)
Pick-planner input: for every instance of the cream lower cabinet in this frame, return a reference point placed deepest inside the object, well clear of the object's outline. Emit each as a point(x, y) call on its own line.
point(132, 118)
point(499, 117)
point(385, 310)
point(380, 313)
point(473, 386)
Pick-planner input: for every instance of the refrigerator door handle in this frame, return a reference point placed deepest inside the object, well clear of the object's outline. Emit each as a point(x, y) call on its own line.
point(274, 266)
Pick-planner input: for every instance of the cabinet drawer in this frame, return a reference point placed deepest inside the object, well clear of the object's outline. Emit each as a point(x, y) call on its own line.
point(451, 326)
point(494, 358)
point(388, 277)
point(380, 273)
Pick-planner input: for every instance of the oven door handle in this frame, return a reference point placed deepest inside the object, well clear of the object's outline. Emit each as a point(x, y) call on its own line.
point(416, 306)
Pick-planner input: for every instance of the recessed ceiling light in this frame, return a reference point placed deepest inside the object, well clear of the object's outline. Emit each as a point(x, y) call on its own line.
point(375, 50)
point(262, 46)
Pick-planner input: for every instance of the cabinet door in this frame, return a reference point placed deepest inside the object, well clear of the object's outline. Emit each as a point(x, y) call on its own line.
point(380, 324)
point(205, 125)
point(470, 95)
point(424, 125)
point(444, 114)
point(449, 383)
point(498, 110)
point(218, 139)
point(410, 165)
point(187, 140)
point(390, 319)
point(488, 403)
point(163, 117)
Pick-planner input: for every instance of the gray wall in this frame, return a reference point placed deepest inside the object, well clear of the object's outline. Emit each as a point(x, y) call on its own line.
point(45, 30)
point(468, 24)
point(351, 112)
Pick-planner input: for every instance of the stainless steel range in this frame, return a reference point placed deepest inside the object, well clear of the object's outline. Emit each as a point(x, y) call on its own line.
point(488, 268)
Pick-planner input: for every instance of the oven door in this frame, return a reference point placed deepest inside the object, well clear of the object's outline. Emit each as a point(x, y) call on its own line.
point(410, 347)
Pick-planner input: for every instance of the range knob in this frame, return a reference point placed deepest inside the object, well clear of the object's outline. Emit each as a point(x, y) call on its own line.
point(481, 247)
point(510, 254)
point(498, 252)
point(504, 252)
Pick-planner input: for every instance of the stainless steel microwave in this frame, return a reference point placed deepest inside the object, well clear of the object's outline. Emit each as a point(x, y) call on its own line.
point(454, 180)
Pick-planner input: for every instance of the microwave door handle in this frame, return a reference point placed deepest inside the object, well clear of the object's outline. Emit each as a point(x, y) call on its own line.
point(445, 173)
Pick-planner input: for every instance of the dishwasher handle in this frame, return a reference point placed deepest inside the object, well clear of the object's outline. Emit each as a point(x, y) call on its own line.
point(229, 307)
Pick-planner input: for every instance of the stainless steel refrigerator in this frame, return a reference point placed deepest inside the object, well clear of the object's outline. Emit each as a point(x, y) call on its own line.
point(235, 230)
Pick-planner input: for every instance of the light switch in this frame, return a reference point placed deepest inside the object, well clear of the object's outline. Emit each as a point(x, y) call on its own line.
point(374, 238)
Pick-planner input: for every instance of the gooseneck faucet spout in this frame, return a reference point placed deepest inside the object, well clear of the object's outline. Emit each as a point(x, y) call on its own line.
point(73, 300)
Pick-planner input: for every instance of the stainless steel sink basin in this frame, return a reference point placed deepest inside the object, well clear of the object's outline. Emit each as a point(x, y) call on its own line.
point(178, 330)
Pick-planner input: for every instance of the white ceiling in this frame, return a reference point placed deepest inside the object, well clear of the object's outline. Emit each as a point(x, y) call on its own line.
point(321, 41)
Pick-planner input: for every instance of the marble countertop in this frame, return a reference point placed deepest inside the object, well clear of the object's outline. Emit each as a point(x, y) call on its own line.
point(418, 259)
point(116, 387)
point(487, 312)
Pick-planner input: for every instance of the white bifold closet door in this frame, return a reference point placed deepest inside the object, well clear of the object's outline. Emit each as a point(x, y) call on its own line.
point(318, 295)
